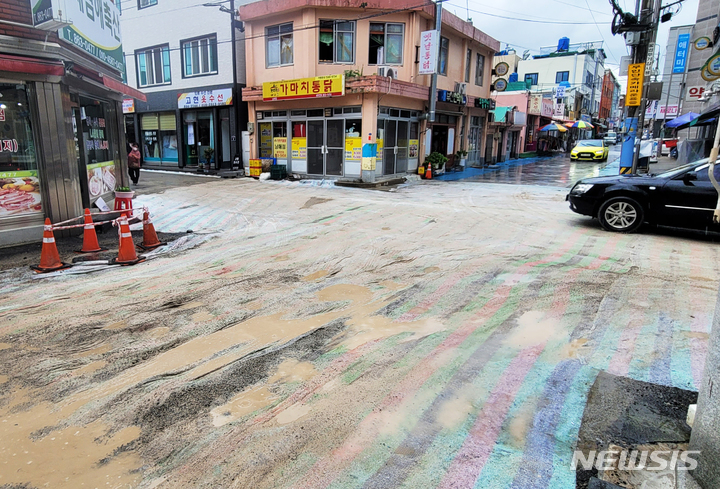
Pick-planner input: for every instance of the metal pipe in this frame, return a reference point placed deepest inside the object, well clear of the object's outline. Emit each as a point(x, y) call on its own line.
point(433, 84)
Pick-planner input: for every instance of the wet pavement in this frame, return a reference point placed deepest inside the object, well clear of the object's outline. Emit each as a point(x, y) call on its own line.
point(549, 171)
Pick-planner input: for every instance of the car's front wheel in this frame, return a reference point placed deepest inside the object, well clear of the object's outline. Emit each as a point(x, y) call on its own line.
point(621, 214)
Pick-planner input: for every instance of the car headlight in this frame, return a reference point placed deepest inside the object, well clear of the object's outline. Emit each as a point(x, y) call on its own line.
point(581, 188)
point(599, 151)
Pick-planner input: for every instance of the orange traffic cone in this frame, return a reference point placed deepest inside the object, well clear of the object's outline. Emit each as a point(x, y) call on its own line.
point(428, 173)
point(90, 241)
point(49, 256)
point(126, 253)
point(150, 240)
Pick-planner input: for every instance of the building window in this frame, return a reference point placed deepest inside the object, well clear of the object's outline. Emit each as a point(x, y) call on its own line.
point(199, 56)
point(468, 60)
point(279, 45)
point(562, 76)
point(153, 66)
point(337, 41)
point(144, 3)
point(588, 79)
point(479, 69)
point(386, 44)
point(532, 77)
point(444, 54)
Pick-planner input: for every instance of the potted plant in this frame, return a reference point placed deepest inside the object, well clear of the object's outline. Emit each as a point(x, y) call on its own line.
point(437, 160)
point(208, 153)
point(124, 193)
point(461, 155)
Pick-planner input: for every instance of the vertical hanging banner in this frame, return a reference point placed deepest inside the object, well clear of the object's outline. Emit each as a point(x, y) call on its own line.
point(635, 84)
point(428, 52)
point(681, 53)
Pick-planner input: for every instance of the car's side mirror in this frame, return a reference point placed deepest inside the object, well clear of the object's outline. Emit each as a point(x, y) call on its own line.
point(689, 177)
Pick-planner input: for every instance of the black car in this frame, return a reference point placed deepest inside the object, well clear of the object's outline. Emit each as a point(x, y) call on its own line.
point(681, 197)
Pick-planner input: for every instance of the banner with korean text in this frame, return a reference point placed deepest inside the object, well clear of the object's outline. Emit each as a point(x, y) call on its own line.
point(319, 86)
point(428, 53)
point(635, 85)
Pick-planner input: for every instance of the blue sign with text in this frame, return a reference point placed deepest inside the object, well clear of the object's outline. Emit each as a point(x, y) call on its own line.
point(681, 53)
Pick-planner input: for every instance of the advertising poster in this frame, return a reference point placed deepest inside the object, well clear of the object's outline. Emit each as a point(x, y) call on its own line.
point(280, 148)
point(413, 148)
point(380, 147)
point(266, 145)
point(101, 178)
point(19, 193)
point(353, 149)
point(299, 148)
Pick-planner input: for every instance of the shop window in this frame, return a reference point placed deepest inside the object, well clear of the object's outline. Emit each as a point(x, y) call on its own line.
point(143, 3)
point(405, 114)
point(19, 180)
point(97, 147)
point(386, 44)
point(199, 56)
point(352, 110)
point(337, 41)
point(159, 135)
point(562, 76)
point(444, 54)
point(279, 45)
point(153, 66)
point(298, 112)
point(279, 113)
point(468, 61)
point(532, 77)
point(315, 113)
point(479, 69)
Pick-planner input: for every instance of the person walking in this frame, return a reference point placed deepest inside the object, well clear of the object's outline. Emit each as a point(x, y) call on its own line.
point(134, 163)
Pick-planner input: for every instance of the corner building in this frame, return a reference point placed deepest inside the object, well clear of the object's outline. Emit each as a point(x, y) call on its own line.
point(325, 79)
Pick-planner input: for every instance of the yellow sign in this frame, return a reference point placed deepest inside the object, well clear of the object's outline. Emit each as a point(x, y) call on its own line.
point(413, 148)
point(280, 148)
point(353, 148)
point(369, 163)
point(319, 86)
point(299, 148)
point(636, 73)
point(266, 144)
point(380, 146)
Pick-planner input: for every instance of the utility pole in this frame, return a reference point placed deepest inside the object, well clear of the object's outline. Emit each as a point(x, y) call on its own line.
point(433, 84)
point(236, 98)
point(640, 56)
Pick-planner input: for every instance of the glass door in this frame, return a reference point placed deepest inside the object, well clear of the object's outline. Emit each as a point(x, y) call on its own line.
point(334, 147)
point(402, 147)
point(315, 147)
point(390, 148)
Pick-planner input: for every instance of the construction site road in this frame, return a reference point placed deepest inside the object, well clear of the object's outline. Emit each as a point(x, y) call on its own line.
point(443, 334)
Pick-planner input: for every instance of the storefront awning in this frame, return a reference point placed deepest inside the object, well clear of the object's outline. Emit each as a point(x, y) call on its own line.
point(500, 113)
point(19, 64)
point(124, 89)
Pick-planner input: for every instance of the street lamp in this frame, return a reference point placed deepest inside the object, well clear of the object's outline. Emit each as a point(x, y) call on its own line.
point(235, 98)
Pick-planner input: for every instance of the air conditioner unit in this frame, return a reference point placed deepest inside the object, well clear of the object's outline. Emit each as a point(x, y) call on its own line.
point(388, 71)
point(460, 88)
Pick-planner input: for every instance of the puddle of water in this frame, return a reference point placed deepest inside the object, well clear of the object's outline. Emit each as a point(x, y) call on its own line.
point(89, 368)
point(3, 379)
point(293, 413)
point(314, 201)
point(431, 269)
point(253, 306)
point(201, 317)
point(533, 330)
point(314, 276)
point(392, 285)
point(291, 370)
point(696, 334)
point(157, 333)
point(511, 279)
point(248, 401)
point(519, 425)
point(575, 348)
point(454, 412)
point(99, 350)
point(5, 346)
point(64, 458)
point(118, 325)
point(281, 258)
point(190, 305)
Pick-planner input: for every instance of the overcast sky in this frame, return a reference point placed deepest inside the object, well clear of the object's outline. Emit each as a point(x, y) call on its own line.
point(532, 35)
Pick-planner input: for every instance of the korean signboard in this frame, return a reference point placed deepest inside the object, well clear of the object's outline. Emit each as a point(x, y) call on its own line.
point(428, 52)
point(559, 91)
point(535, 104)
point(681, 53)
point(559, 110)
point(634, 84)
point(319, 86)
point(208, 98)
point(94, 26)
point(128, 105)
point(656, 111)
point(694, 93)
point(546, 110)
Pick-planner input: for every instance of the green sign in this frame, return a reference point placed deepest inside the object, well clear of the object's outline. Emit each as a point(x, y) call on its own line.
point(18, 174)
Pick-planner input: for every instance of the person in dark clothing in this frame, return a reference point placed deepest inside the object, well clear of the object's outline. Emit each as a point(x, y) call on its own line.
point(134, 163)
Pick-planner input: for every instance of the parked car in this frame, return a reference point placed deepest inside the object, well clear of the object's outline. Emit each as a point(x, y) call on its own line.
point(590, 149)
point(610, 138)
point(682, 197)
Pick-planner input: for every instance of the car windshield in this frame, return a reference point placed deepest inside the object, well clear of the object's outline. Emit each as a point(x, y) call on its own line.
point(611, 135)
point(681, 169)
point(589, 142)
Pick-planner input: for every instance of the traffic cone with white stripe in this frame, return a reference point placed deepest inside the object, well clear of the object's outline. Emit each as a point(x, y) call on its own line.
point(126, 253)
point(49, 256)
point(90, 241)
point(150, 240)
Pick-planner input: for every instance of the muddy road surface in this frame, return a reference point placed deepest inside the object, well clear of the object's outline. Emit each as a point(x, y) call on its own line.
point(440, 335)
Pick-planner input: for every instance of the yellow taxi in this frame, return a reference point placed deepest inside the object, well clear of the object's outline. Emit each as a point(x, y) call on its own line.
point(590, 149)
